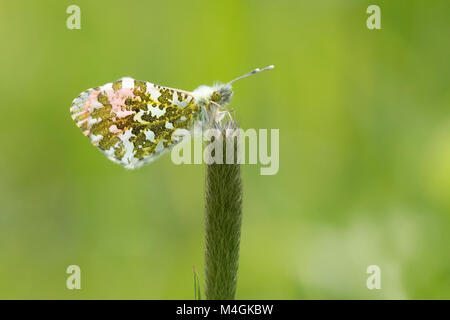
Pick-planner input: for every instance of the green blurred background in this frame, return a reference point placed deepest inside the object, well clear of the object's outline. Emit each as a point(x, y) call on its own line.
point(364, 148)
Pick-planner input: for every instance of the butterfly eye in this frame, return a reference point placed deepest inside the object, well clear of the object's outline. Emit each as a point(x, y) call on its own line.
point(216, 96)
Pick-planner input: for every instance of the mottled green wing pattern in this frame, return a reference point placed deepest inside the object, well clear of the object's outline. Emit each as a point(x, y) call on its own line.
point(134, 122)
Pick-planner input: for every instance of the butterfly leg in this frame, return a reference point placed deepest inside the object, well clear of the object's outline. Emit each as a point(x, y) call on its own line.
point(230, 114)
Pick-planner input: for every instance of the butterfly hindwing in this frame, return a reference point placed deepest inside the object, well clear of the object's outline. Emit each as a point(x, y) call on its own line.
point(133, 122)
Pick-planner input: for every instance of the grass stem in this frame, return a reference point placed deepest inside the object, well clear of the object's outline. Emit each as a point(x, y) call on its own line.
point(223, 216)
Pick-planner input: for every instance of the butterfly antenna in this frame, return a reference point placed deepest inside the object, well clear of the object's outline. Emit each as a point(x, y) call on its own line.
point(251, 73)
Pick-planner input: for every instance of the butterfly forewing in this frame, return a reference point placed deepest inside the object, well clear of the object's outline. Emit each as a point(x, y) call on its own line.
point(133, 122)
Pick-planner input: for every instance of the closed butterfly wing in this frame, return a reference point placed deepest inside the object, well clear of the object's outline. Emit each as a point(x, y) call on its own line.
point(134, 122)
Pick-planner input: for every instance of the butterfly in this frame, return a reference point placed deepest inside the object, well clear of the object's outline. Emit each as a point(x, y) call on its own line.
point(134, 122)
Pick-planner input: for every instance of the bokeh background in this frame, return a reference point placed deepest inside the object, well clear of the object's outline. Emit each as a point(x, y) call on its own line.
point(364, 148)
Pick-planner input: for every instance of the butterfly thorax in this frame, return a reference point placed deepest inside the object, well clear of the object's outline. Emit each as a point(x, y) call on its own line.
point(210, 100)
point(218, 94)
